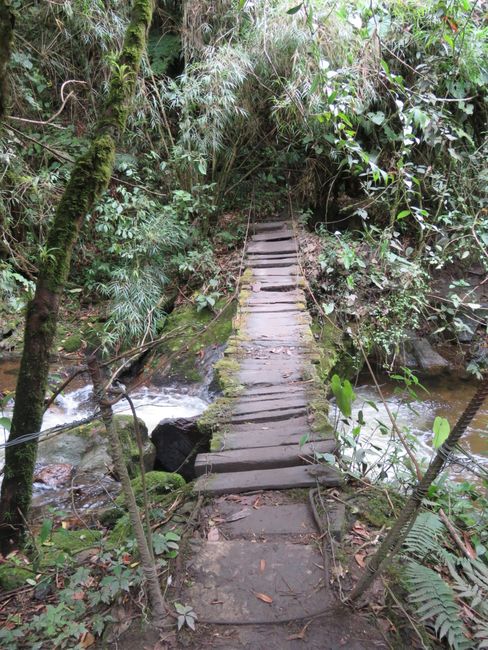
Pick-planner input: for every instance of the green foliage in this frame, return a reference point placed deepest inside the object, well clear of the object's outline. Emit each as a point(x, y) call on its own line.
point(163, 50)
point(83, 591)
point(343, 393)
point(15, 289)
point(424, 536)
point(434, 600)
point(186, 616)
point(441, 429)
point(374, 282)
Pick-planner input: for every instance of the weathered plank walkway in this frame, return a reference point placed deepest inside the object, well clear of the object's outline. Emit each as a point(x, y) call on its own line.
point(258, 575)
point(260, 441)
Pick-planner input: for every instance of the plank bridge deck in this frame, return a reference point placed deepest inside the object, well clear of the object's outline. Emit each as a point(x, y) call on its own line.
point(261, 437)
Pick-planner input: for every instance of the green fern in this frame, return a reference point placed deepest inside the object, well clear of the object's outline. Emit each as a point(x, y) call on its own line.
point(435, 600)
point(424, 535)
point(473, 585)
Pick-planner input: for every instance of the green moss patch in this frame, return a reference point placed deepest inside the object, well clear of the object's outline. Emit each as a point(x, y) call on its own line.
point(157, 483)
point(72, 343)
point(74, 541)
point(13, 577)
point(187, 341)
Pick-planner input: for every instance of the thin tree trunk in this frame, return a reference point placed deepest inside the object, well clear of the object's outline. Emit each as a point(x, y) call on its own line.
point(395, 537)
point(89, 178)
point(6, 36)
point(145, 552)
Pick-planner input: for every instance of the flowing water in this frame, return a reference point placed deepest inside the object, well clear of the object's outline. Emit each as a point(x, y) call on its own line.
point(152, 405)
point(445, 397)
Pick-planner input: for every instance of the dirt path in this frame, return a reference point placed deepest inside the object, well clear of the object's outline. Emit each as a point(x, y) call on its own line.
point(258, 576)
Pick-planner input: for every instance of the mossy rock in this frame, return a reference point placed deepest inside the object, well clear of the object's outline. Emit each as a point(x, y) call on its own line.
point(376, 508)
point(73, 343)
point(185, 339)
point(13, 577)
point(97, 455)
point(74, 541)
point(157, 484)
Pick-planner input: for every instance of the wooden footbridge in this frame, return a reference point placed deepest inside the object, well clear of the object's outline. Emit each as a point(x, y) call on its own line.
point(268, 433)
point(258, 574)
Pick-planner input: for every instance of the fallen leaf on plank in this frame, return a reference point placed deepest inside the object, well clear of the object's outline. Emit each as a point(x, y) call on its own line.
point(238, 515)
point(213, 535)
point(262, 565)
point(264, 598)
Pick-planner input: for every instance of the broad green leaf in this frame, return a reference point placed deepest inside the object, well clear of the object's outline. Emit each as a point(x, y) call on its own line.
point(402, 214)
point(5, 423)
point(344, 395)
point(441, 431)
point(295, 9)
point(377, 118)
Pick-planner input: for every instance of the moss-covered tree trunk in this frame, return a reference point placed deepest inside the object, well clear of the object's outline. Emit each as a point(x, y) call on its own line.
point(89, 178)
point(6, 35)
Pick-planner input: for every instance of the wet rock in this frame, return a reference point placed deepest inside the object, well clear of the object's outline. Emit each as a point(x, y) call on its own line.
point(177, 442)
point(54, 475)
point(87, 448)
point(429, 361)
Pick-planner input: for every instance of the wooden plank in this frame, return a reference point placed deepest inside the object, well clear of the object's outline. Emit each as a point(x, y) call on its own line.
point(269, 225)
point(244, 407)
point(262, 263)
point(224, 578)
point(269, 416)
point(300, 476)
point(274, 235)
point(255, 439)
point(295, 426)
point(276, 271)
point(273, 247)
point(260, 457)
point(273, 297)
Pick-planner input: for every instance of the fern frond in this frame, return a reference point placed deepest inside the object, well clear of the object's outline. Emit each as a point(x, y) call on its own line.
point(424, 535)
point(473, 585)
point(435, 600)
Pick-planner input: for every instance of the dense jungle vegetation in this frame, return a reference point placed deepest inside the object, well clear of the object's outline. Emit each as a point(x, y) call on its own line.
point(365, 119)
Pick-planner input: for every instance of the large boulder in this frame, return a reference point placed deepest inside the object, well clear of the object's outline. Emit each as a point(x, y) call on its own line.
point(87, 448)
point(177, 442)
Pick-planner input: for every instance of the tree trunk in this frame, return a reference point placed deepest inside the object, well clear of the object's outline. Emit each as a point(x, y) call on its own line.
point(6, 35)
point(145, 551)
point(395, 537)
point(89, 178)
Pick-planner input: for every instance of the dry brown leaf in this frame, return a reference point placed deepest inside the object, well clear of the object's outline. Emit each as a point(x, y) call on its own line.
point(359, 557)
point(78, 595)
point(87, 639)
point(262, 565)
point(265, 598)
point(361, 530)
point(213, 535)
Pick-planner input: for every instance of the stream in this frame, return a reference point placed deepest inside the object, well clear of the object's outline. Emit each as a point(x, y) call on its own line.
point(152, 404)
point(446, 397)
